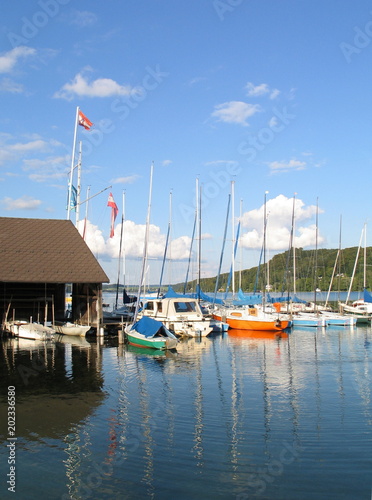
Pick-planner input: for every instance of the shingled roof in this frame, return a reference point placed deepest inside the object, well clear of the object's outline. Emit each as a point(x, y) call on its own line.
point(46, 251)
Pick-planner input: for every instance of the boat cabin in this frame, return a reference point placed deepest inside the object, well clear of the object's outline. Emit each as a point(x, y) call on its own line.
point(172, 308)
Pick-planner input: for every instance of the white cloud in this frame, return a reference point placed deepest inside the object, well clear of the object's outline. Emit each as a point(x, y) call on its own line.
point(36, 145)
point(260, 90)
point(257, 90)
point(134, 236)
point(23, 203)
point(8, 85)
point(180, 248)
point(235, 112)
point(126, 180)
point(9, 60)
point(12, 152)
point(83, 18)
point(196, 80)
point(42, 159)
point(274, 93)
point(287, 166)
point(279, 212)
point(102, 87)
point(93, 237)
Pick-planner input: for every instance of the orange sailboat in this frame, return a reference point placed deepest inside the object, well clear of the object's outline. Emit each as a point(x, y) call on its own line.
point(251, 318)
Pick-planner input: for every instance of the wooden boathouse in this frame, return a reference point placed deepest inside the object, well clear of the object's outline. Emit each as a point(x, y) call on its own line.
point(40, 259)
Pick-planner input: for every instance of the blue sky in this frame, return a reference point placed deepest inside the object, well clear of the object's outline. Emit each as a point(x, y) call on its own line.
point(275, 96)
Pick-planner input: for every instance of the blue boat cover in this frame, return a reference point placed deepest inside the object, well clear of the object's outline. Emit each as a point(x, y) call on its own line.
point(171, 294)
point(199, 294)
point(244, 300)
point(148, 327)
point(295, 299)
point(203, 296)
point(367, 296)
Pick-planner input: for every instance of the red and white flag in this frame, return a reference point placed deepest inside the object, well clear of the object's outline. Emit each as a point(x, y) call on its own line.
point(114, 212)
point(84, 121)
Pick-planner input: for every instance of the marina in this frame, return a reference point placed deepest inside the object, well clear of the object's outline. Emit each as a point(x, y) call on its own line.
point(283, 415)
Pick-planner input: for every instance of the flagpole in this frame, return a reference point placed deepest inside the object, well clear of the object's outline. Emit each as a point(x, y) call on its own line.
point(78, 189)
point(72, 164)
point(86, 214)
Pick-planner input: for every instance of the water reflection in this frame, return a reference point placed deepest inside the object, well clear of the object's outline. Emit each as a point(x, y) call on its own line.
point(260, 415)
point(57, 385)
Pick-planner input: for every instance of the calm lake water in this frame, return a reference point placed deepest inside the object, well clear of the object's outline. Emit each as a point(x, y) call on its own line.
point(234, 416)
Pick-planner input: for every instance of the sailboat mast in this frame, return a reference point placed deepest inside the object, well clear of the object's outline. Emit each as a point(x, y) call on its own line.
point(365, 258)
point(190, 253)
point(200, 238)
point(145, 247)
point(169, 246)
point(222, 250)
point(355, 266)
point(240, 247)
point(119, 255)
point(233, 237)
point(316, 256)
point(264, 251)
point(334, 269)
point(293, 244)
point(166, 246)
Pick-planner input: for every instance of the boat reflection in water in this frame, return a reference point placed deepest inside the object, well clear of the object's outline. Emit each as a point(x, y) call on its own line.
point(151, 353)
point(258, 334)
point(241, 415)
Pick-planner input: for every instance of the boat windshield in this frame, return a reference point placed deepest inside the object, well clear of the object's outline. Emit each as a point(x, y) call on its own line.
point(182, 307)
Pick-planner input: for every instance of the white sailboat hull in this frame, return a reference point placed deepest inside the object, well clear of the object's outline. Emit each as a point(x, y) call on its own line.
point(26, 330)
point(71, 329)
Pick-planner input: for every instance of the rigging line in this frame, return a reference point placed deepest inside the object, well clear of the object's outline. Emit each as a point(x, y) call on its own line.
point(222, 250)
point(120, 250)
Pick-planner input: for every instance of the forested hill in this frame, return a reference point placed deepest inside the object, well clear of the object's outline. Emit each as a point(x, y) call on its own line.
point(280, 272)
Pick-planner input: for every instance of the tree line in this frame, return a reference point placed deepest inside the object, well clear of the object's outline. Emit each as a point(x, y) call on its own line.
point(313, 269)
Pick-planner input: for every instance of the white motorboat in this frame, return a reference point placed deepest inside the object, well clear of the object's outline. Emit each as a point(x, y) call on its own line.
point(182, 315)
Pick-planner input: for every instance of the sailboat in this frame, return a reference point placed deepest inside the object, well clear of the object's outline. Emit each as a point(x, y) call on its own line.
point(28, 330)
point(360, 309)
point(252, 316)
point(295, 307)
point(148, 332)
point(179, 313)
point(68, 328)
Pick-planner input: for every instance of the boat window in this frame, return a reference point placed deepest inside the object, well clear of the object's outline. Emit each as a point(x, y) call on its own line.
point(160, 306)
point(181, 307)
point(149, 306)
